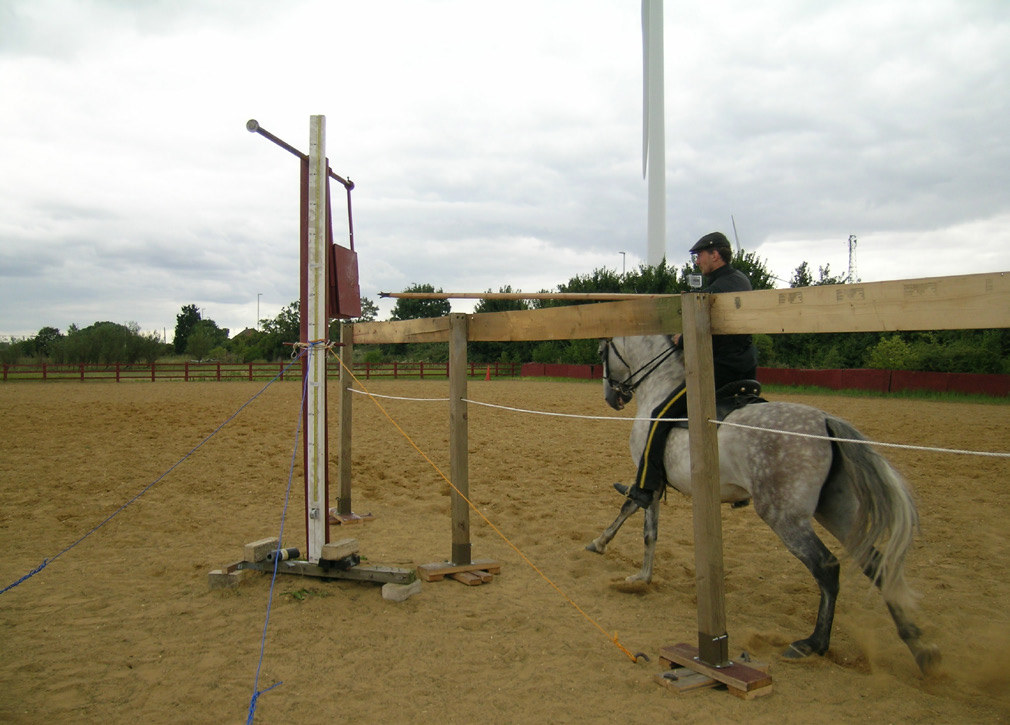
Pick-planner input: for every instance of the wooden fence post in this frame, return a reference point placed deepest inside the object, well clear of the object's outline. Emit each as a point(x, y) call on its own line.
point(458, 440)
point(713, 642)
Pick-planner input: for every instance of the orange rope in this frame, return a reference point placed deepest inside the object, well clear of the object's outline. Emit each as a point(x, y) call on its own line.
point(613, 638)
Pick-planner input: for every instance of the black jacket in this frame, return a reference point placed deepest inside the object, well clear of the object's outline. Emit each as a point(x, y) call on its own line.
point(734, 356)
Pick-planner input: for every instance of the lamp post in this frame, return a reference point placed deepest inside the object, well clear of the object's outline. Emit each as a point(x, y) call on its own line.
point(258, 295)
point(624, 260)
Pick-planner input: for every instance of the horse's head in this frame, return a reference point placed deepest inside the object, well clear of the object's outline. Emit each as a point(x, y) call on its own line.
point(616, 376)
point(628, 362)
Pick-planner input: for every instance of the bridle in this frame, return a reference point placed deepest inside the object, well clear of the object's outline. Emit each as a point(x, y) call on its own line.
point(626, 388)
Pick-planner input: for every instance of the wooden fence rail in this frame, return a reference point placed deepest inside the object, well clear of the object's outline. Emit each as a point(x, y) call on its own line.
point(197, 371)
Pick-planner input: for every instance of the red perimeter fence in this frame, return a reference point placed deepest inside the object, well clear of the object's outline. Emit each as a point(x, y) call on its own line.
point(196, 371)
point(881, 381)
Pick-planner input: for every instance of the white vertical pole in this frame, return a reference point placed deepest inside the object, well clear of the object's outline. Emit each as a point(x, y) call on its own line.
point(653, 123)
point(315, 419)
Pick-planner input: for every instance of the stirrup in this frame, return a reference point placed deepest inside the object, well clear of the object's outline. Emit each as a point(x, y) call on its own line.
point(636, 494)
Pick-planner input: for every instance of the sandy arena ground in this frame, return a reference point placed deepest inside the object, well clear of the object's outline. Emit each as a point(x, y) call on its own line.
point(124, 628)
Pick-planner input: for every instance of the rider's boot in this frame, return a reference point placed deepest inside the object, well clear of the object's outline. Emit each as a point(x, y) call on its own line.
point(639, 495)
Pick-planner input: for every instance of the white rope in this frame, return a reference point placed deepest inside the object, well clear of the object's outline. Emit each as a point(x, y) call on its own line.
point(569, 415)
point(297, 347)
point(905, 446)
point(396, 397)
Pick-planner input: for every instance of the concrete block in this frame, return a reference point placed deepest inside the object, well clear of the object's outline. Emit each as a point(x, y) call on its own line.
point(258, 550)
point(400, 592)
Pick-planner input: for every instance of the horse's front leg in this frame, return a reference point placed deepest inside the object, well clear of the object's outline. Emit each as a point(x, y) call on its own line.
point(650, 529)
point(599, 544)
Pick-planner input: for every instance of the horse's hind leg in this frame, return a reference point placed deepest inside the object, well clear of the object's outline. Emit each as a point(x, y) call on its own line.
point(804, 544)
point(599, 544)
point(927, 656)
point(837, 516)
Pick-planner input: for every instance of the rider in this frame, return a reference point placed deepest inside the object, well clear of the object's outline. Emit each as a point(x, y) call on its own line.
point(734, 358)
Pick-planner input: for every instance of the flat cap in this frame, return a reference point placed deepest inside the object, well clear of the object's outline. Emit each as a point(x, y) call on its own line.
point(712, 240)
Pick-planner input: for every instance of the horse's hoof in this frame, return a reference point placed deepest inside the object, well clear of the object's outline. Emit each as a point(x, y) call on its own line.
point(797, 651)
point(928, 658)
point(591, 546)
point(637, 579)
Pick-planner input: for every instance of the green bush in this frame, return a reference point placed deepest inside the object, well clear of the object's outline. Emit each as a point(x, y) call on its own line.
point(891, 353)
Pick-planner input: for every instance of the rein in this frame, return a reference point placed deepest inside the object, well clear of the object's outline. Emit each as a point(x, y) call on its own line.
point(628, 386)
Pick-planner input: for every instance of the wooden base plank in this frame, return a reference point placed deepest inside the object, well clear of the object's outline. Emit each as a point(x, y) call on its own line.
point(439, 570)
point(745, 681)
point(472, 578)
point(338, 518)
point(382, 574)
point(683, 680)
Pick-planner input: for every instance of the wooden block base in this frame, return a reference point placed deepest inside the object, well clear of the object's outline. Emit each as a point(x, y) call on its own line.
point(480, 571)
point(472, 578)
point(336, 517)
point(374, 573)
point(745, 681)
point(682, 680)
point(347, 567)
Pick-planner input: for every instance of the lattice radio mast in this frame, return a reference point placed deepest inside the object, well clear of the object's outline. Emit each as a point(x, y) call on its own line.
point(853, 277)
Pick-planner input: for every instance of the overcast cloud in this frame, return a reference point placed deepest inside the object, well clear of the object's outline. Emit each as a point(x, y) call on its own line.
point(491, 144)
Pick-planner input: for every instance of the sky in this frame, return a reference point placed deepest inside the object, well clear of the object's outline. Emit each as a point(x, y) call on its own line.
point(490, 144)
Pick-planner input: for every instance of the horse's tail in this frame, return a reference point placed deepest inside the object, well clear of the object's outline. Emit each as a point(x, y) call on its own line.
point(886, 519)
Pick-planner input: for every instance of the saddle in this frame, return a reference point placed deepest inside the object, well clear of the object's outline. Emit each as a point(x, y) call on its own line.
point(733, 396)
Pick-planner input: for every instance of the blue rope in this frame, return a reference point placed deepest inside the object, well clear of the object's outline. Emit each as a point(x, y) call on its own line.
point(280, 544)
point(47, 562)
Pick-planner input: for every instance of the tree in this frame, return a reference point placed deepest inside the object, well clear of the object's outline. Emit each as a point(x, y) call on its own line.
point(103, 342)
point(413, 309)
point(10, 351)
point(493, 305)
point(284, 328)
point(185, 321)
point(660, 279)
point(204, 337)
point(802, 277)
point(487, 352)
point(151, 348)
point(46, 341)
point(369, 311)
point(755, 270)
point(819, 350)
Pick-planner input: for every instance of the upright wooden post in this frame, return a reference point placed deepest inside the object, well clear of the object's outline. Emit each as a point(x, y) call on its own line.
point(713, 641)
point(344, 473)
point(314, 329)
point(458, 440)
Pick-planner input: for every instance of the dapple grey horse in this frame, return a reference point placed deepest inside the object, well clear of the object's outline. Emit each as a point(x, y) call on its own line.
point(847, 487)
